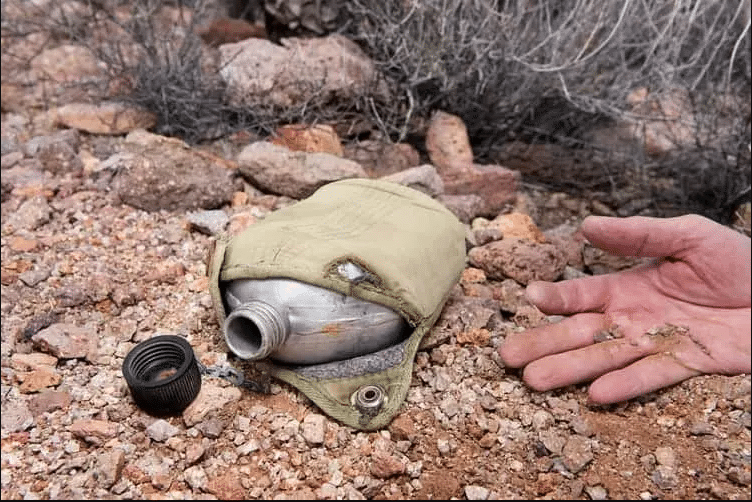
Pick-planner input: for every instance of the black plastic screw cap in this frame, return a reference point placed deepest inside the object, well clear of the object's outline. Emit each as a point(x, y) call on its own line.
point(162, 374)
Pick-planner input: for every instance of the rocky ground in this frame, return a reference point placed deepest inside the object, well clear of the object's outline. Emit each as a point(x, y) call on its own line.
point(104, 241)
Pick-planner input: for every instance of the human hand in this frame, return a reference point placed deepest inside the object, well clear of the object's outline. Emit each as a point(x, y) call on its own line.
point(686, 314)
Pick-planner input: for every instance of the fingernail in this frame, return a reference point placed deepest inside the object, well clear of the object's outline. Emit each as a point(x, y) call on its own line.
point(534, 293)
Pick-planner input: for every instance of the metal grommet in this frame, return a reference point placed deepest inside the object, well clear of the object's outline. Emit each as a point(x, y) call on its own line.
point(369, 397)
point(162, 374)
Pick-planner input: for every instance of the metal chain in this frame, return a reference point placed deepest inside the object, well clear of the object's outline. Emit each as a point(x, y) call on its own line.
point(234, 376)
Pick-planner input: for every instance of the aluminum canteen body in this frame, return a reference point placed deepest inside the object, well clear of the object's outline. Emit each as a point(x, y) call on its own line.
point(298, 323)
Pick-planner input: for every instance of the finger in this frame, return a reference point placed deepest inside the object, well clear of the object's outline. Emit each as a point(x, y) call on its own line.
point(572, 333)
point(587, 294)
point(643, 376)
point(584, 364)
point(644, 236)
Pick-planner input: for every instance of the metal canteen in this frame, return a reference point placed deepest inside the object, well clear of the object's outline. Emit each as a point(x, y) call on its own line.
point(298, 323)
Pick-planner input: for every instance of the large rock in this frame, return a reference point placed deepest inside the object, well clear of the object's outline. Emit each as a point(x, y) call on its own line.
point(66, 341)
point(104, 118)
point(447, 143)
point(380, 158)
point(496, 185)
point(512, 225)
point(279, 170)
point(519, 259)
point(169, 175)
point(35, 76)
point(464, 207)
point(28, 177)
point(57, 153)
point(67, 63)
point(259, 72)
point(423, 178)
point(227, 30)
point(449, 150)
point(317, 138)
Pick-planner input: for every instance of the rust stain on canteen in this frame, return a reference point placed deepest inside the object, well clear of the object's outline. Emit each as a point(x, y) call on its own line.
point(332, 329)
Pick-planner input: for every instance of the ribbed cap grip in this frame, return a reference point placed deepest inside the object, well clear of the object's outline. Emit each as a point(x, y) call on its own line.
point(162, 374)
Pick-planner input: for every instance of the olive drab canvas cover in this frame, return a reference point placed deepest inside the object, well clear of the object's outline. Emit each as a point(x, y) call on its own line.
point(413, 251)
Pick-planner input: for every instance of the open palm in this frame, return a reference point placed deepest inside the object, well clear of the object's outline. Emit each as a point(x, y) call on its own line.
point(642, 329)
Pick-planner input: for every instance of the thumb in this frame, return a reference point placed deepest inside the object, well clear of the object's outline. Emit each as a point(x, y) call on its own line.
point(643, 236)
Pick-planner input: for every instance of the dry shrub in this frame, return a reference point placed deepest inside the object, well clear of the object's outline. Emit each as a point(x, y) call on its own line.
point(514, 61)
point(536, 71)
point(155, 59)
point(552, 70)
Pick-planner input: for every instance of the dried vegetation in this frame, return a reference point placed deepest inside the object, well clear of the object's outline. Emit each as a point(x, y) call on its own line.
point(550, 72)
point(531, 72)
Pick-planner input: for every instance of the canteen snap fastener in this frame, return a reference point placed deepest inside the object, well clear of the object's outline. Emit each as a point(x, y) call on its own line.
point(369, 397)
